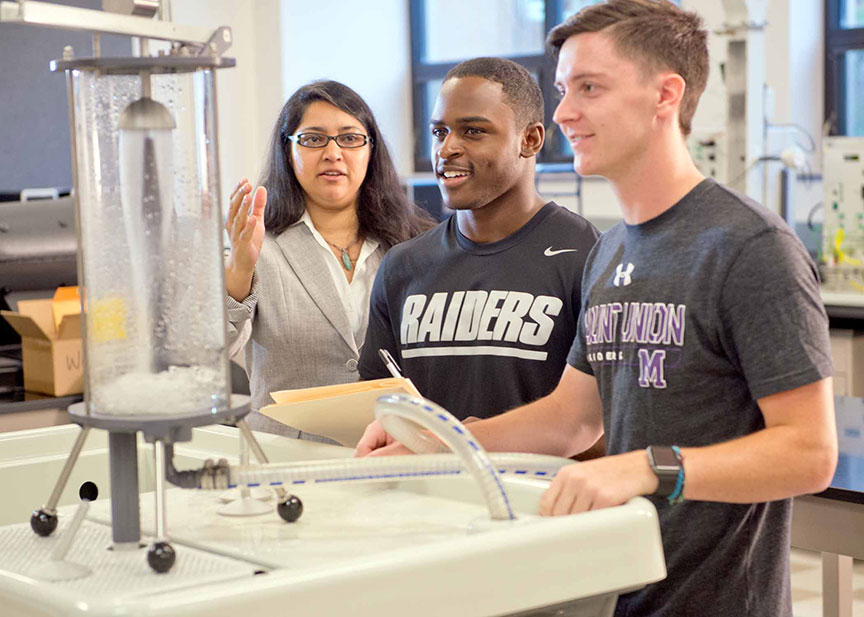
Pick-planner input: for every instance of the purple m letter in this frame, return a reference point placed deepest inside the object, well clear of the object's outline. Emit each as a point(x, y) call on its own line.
point(651, 368)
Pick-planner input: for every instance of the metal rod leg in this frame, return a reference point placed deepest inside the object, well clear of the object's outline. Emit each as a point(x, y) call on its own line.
point(245, 491)
point(161, 510)
point(160, 555)
point(836, 585)
point(259, 453)
point(51, 506)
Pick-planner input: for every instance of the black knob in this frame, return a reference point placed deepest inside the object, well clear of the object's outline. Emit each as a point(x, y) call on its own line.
point(161, 557)
point(43, 523)
point(88, 491)
point(290, 509)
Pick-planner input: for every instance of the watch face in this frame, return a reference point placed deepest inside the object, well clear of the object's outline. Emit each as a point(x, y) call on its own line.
point(665, 458)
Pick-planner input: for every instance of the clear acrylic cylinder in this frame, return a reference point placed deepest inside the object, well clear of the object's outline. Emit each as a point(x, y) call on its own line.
point(150, 230)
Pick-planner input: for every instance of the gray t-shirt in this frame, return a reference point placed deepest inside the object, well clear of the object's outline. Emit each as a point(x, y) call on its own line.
point(687, 320)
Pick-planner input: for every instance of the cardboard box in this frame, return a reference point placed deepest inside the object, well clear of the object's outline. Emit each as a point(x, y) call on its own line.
point(51, 343)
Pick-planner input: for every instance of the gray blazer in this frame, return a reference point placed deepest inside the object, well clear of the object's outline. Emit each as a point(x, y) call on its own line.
point(300, 333)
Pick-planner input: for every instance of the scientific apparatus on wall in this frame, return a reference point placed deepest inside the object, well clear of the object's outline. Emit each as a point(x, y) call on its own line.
point(708, 149)
point(842, 263)
point(744, 31)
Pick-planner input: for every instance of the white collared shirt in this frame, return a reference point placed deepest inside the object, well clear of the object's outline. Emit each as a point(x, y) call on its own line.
point(354, 295)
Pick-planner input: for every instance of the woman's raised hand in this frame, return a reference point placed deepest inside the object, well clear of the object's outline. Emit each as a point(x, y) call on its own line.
point(245, 227)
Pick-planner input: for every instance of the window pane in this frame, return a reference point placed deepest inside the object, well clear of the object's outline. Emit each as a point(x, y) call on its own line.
point(574, 6)
point(432, 88)
point(854, 102)
point(852, 13)
point(461, 29)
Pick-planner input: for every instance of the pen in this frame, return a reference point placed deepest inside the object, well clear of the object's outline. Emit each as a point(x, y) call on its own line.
point(390, 363)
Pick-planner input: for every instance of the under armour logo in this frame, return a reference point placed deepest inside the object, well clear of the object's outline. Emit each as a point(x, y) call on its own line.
point(622, 276)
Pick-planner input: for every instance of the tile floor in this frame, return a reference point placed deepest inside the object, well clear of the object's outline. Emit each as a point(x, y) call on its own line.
point(806, 569)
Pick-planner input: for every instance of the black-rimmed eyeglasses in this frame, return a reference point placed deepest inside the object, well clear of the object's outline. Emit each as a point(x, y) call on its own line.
point(320, 140)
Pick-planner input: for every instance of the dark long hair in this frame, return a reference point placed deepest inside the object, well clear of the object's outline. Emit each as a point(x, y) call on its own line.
point(383, 209)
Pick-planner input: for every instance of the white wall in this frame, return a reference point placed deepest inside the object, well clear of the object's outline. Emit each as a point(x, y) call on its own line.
point(238, 150)
point(377, 64)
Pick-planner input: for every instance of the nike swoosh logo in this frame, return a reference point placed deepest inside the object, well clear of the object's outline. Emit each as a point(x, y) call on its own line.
point(550, 253)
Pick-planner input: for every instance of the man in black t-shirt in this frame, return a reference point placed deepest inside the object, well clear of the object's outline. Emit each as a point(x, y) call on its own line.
point(702, 352)
point(480, 312)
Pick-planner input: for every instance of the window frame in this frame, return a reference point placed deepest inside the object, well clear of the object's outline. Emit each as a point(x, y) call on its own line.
point(838, 41)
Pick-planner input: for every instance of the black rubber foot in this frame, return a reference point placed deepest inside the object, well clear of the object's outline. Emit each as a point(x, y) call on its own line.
point(290, 509)
point(88, 491)
point(43, 523)
point(161, 557)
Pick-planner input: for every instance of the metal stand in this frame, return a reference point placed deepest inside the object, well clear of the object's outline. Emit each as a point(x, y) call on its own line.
point(44, 520)
point(123, 455)
point(241, 501)
point(125, 514)
point(281, 493)
point(836, 585)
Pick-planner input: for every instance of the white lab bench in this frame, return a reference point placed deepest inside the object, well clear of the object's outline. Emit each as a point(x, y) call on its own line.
point(424, 548)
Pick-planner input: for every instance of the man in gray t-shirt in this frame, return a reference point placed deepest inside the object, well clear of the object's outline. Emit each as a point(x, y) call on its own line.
point(702, 345)
point(689, 320)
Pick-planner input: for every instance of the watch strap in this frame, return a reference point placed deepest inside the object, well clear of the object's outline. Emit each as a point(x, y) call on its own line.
point(667, 477)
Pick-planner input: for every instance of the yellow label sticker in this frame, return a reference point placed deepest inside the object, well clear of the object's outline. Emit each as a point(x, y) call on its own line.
point(108, 320)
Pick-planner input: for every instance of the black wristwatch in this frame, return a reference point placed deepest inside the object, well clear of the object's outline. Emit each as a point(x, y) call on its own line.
point(666, 463)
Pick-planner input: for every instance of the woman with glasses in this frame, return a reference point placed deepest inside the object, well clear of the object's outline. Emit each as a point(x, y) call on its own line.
point(306, 244)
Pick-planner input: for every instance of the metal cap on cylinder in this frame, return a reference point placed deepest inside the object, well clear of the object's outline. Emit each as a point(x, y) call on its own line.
point(146, 114)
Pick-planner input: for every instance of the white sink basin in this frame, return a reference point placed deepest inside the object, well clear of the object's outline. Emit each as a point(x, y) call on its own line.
point(420, 548)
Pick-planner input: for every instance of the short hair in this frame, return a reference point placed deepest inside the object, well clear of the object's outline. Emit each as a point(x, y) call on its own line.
point(521, 91)
point(656, 33)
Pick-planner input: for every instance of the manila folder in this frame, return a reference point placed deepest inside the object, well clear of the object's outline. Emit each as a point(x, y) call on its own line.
point(340, 412)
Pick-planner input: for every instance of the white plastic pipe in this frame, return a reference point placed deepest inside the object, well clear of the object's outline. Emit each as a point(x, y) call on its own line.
point(401, 414)
point(389, 468)
point(395, 411)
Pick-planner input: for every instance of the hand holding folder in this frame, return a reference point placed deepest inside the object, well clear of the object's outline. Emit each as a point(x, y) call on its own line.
point(340, 412)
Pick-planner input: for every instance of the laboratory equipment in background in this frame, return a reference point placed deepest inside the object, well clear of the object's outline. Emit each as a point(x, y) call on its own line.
point(38, 247)
point(842, 259)
point(708, 150)
point(744, 76)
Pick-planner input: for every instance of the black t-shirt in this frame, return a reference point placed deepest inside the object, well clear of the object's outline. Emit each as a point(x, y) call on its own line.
point(688, 319)
point(481, 328)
